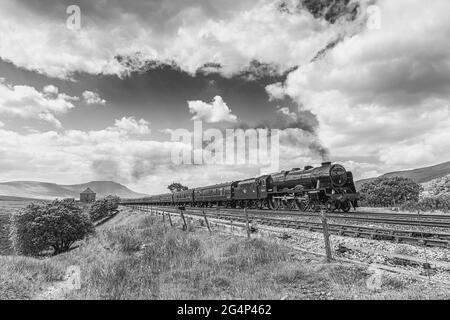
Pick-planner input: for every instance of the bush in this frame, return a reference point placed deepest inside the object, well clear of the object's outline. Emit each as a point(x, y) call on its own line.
point(440, 187)
point(390, 191)
point(112, 202)
point(101, 209)
point(429, 204)
point(56, 225)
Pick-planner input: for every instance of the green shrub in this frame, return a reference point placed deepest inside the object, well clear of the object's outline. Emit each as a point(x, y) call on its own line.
point(112, 202)
point(56, 225)
point(429, 204)
point(440, 186)
point(103, 208)
point(410, 206)
point(391, 191)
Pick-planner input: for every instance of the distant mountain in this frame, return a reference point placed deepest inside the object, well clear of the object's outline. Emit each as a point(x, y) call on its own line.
point(9, 198)
point(43, 190)
point(420, 175)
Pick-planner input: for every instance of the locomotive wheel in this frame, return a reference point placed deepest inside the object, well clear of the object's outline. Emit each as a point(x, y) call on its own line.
point(292, 205)
point(301, 205)
point(331, 207)
point(277, 204)
point(346, 206)
point(315, 207)
point(260, 204)
point(271, 204)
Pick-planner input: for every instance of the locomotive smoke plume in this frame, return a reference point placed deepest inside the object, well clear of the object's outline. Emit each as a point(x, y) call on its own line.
point(300, 119)
point(320, 150)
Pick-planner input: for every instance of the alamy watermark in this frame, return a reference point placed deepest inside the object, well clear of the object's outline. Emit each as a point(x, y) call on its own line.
point(373, 17)
point(73, 22)
point(235, 147)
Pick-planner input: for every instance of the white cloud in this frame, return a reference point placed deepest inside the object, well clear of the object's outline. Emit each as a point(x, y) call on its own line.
point(93, 98)
point(285, 111)
point(190, 33)
point(216, 111)
point(51, 89)
point(380, 94)
point(114, 153)
point(118, 153)
point(1, 124)
point(383, 93)
point(51, 119)
point(132, 126)
point(27, 102)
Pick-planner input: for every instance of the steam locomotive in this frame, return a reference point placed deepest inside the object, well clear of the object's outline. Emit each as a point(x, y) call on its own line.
point(329, 186)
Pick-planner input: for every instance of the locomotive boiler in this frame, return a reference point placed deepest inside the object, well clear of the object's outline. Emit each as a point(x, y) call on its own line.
point(329, 185)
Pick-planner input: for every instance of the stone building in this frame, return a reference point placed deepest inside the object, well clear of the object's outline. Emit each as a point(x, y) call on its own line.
point(87, 195)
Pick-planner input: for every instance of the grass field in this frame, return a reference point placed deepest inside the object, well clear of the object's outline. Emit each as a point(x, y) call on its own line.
point(138, 257)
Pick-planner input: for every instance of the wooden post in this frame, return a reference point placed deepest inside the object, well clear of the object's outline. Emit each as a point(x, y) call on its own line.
point(246, 220)
point(206, 221)
point(170, 219)
point(184, 220)
point(326, 236)
point(426, 265)
point(164, 218)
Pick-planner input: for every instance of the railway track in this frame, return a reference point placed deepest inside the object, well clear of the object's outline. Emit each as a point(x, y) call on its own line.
point(393, 219)
point(401, 236)
point(422, 220)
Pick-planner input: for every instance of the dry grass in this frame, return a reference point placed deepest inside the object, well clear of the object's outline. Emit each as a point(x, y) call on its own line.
point(135, 257)
point(20, 277)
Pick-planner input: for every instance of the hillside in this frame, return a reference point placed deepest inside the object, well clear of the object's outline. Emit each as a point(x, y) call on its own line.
point(420, 175)
point(43, 190)
point(17, 199)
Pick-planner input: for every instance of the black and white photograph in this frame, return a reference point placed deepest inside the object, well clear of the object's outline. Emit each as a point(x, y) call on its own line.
point(260, 152)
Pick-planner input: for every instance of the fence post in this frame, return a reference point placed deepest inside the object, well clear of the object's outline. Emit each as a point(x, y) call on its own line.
point(170, 219)
point(246, 221)
point(206, 221)
point(426, 265)
point(184, 220)
point(326, 235)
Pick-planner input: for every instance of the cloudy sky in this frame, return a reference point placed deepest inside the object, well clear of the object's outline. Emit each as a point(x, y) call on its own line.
point(99, 102)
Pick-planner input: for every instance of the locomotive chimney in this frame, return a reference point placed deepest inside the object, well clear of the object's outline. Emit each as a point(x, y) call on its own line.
point(327, 163)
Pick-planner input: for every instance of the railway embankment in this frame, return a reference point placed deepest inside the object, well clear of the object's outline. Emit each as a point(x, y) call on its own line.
point(139, 256)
